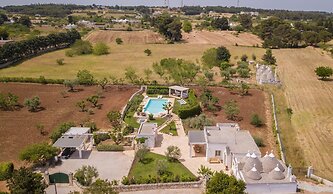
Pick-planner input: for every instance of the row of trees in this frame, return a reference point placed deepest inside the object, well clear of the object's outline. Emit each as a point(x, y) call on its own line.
point(169, 26)
point(21, 49)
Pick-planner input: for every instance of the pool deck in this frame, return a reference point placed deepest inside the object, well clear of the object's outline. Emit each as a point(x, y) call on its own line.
point(147, 98)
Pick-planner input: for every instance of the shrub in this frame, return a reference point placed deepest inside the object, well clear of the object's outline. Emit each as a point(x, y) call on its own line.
point(161, 167)
point(93, 100)
point(8, 102)
point(85, 175)
point(6, 170)
point(38, 153)
point(128, 130)
point(119, 41)
point(256, 120)
point(82, 105)
point(163, 90)
point(81, 47)
point(141, 153)
point(57, 133)
point(84, 77)
point(173, 153)
point(324, 72)
point(60, 61)
point(109, 147)
point(148, 52)
point(99, 137)
point(70, 84)
point(244, 58)
point(31, 80)
point(101, 49)
point(33, 103)
point(259, 141)
point(231, 109)
point(184, 113)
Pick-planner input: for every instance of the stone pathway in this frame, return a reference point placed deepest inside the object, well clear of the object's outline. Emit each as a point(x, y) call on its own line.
point(313, 187)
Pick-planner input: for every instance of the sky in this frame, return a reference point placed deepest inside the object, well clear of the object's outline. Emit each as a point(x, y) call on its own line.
point(307, 5)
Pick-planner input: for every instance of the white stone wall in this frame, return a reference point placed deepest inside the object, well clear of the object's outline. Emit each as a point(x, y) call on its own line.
point(271, 188)
point(211, 148)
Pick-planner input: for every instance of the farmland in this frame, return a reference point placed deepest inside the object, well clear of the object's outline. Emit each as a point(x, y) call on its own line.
point(130, 54)
point(19, 128)
point(311, 102)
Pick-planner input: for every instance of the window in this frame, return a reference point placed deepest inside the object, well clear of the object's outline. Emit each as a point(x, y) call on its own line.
point(217, 153)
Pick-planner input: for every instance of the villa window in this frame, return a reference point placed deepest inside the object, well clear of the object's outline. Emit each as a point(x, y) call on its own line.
point(217, 152)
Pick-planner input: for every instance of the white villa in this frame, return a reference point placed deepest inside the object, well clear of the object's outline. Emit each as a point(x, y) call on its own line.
point(149, 132)
point(225, 143)
point(79, 138)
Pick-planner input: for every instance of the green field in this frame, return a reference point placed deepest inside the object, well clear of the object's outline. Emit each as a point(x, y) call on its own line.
point(120, 57)
point(149, 167)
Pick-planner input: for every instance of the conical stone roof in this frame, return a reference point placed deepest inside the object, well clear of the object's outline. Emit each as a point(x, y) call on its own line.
point(276, 173)
point(253, 174)
point(251, 161)
point(269, 162)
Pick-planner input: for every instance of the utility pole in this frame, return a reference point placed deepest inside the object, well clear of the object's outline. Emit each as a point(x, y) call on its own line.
point(237, 3)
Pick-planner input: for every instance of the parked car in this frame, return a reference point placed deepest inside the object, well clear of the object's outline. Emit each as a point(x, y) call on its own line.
point(67, 152)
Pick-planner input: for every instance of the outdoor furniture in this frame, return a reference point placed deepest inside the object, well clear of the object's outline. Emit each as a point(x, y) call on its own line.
point(214, 160)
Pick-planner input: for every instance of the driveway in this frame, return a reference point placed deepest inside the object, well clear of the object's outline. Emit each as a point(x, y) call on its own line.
point(110, 165)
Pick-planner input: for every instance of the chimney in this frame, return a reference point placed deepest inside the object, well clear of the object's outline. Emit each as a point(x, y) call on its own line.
point(289, 171)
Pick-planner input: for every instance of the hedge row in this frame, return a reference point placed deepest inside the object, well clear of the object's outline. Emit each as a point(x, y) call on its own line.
point(41, 80)
point(163, 90)
point(109, 147)
point(99, 137)
point(159, 179)
point(191, 109)
point(6, 170)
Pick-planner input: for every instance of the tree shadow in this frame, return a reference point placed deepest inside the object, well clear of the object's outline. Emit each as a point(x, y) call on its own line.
point(147, 160)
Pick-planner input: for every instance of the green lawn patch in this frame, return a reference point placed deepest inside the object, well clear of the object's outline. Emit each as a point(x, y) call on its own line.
point(149, 167)
point(170, 129)
point(131, 120)
point(158, 120)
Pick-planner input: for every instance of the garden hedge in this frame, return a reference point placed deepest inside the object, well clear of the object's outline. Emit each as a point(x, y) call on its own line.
point(99, 137)
point(163, 90)
point(110, 148)
point(159, 179)
point(40, 80)
point(6, 170)
point(187, 112)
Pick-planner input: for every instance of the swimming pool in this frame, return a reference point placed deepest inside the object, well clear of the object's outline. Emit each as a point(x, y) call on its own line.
point(155, 106)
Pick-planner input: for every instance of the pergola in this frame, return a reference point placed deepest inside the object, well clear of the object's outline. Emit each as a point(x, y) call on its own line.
point(178, 91)
point(197, 139)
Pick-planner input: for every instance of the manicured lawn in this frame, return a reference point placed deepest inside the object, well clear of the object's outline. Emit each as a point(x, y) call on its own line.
point(171, 128)
point(130, 120)
point(159, 121)
point(149, 167)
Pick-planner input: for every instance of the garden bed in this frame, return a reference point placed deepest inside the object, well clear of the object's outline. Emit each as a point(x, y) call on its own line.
point(170, 129)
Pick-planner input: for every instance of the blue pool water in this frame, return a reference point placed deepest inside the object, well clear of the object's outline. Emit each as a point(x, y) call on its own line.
point(155, 106)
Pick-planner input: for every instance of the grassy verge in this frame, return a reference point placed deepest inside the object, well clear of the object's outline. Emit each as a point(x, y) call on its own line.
point(293, 151)
point(159, 121)
point(148, 168)
point(170, 129)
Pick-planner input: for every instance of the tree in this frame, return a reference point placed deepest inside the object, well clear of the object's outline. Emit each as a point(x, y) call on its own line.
point(38, 153)
point(119, 41)
point(231, 109)
point(244, 89)
point(8, 102)
point(324, 72)
point(101, 49)
point(168, 26)
point(114, 118)
point(84, 77)
point(209, 101)
point(33, 103)
point(130, 75)
point(158, 69)
point(82, 105)
point(4, 34)
point(85, 175)
point(70, 84)
point(187, 26)
point(103, 83)
point(100, 186)
point(26, 181)
point(148, 72)
point(245, 21)
point(269, 58)
point(81, 47)
point(167, 107)
point(93, 100)
point(244, 58)
point(256, 120)
point(24, 20)
point(224, 66)
point(209, 58)
point(148, 52)
point(161, 167)
point(141, 153)
point(225, 184)
point(173, 153)
point(220, 23)
point(223, 54)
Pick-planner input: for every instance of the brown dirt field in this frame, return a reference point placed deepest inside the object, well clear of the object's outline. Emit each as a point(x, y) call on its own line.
point(130, 37)
point(312, 103)
point(255, 102)
point(226, 38)
point(18, 128)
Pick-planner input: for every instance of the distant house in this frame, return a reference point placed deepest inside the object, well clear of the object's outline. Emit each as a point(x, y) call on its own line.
point(70, 26)
point(148, 131)
point(251, 13)
point(225, 143)
point(79, 138)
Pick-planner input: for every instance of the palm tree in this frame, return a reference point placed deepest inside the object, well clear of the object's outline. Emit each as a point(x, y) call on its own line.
point(167, 107)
